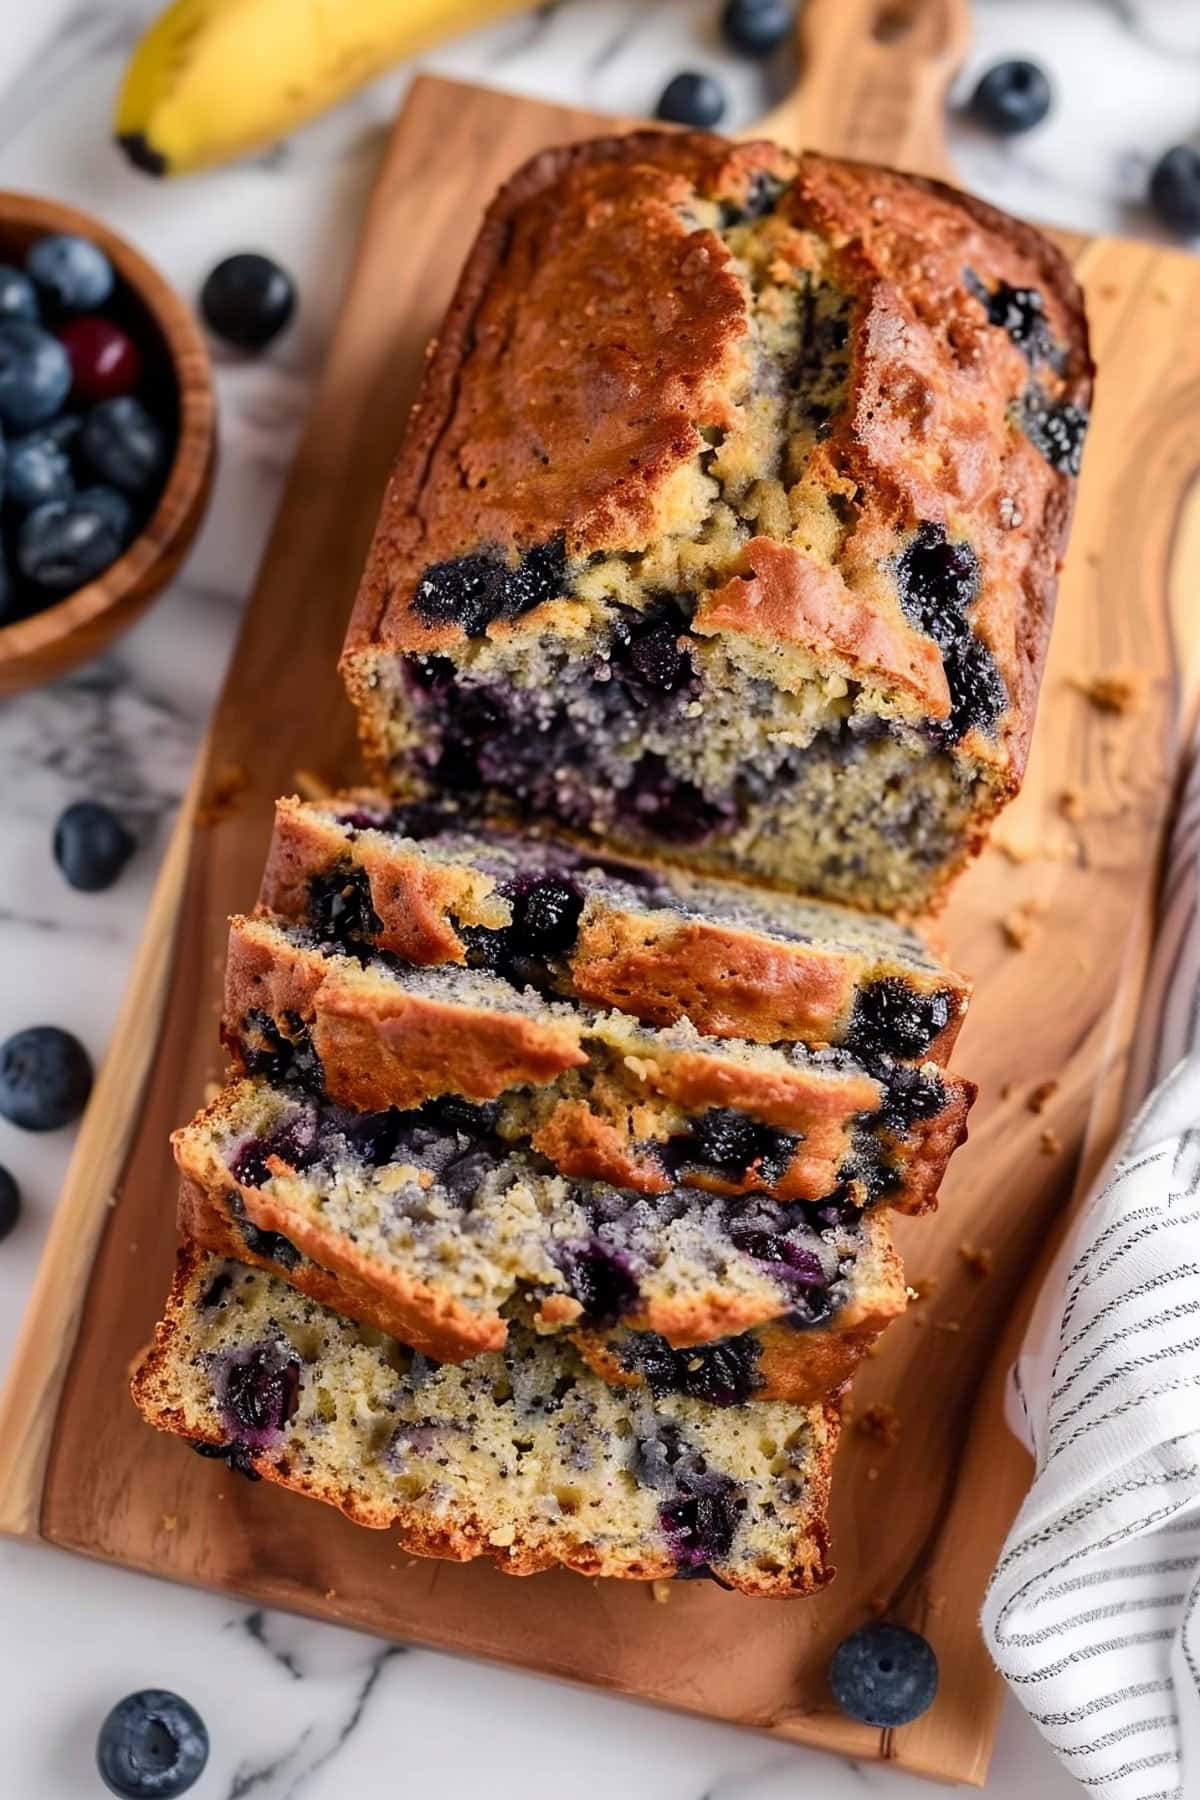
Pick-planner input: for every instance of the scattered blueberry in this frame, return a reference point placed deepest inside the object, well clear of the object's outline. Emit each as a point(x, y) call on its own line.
point(152, 1746)
point(691, 98)
point(91, 846)
point(10, 1203)
point(1012, 97)
point(65, 543)
point(247, 300)
point(1175, 188)
point(18, 296)
point(35, 374)
point(757, 27)
point(37, 469)
point(124, 445)
point(105, 361)
point(884, 1675)
point(45, 1078)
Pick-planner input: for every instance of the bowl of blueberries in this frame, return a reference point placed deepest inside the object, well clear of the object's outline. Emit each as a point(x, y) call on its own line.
point(107, 436)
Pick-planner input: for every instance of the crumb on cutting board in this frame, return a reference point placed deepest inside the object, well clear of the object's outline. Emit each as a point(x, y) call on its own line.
point(660, 1592)
point(976, 1260)
point(1042, 1094)
point(880, 1422)
point(229, 783)
point(1070, 804)
point(1115, 691)
point(1050, 1143)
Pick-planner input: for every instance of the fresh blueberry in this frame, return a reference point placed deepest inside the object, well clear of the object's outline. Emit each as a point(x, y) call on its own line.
point(152, 1746)
point(37, 469)
point(66, 543)
point(1012, 97)
point(35, 374)
point(124, 445)
point(1175, 188)
point(112, 507)
point(74, 272)
point(18, 296)
point(45, 1078)
point(692, 98)
point(10, 1203)
point(757, 27)
point(247, 300)
point(91, 846)
point(884, 1675)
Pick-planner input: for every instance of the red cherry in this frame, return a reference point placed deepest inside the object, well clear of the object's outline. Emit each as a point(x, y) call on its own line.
point(105, 360)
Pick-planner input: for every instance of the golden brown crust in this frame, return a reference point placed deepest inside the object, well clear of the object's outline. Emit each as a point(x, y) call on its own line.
point(536, 352)
point(795, 1365)
point(336, 1274)
point(660, 966)
point(381, 1046)
point(465, 1535)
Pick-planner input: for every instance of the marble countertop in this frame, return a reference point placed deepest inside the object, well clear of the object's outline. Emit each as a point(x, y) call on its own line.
point(296, 1708)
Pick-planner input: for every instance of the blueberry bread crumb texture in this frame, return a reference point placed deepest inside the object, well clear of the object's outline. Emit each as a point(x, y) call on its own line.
point(729, 517)
point(427, 1226)
point(599, 1095)
point(655, 941)
point(526, 1457)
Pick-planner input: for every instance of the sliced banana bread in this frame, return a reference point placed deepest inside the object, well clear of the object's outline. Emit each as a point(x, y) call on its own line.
point(600, 1095)
point(729, 516)
point(526, 1457)
point(655, 942)
point(428, 1226)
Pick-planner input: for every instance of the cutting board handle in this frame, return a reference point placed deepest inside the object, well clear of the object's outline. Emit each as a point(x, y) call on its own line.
point(873, 81)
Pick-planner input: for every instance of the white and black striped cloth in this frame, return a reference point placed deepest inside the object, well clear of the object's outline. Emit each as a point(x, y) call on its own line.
point(1093, 1613)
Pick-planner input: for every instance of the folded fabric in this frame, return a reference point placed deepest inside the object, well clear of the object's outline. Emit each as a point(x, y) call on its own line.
point(1093, 1613)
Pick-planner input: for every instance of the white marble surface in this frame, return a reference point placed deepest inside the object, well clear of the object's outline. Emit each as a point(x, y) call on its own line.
point(293, 1708)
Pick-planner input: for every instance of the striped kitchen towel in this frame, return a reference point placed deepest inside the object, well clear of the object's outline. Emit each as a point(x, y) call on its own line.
point(1093, 1613)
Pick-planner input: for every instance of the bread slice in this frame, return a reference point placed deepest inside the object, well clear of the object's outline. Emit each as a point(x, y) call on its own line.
point(427, 1226)
point(600, 1095)
point(528, 1457)
point(745, 553)
point(648, 939)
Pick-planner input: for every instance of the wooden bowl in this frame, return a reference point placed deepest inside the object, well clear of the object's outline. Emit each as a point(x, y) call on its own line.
point(78, 627)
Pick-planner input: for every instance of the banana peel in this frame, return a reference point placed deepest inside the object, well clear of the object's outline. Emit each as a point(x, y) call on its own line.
point(212, 79)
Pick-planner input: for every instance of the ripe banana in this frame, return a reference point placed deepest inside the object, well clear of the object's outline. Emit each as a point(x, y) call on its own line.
point(211, 79)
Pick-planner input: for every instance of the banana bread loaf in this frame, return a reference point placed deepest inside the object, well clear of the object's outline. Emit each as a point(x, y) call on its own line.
point(427, 1226)
point(654, 941)
point(527, 1457)
point(600, 1095)
point(729, 516)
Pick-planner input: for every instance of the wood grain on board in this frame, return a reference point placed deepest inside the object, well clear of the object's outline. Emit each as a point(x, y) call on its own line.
point(917, 1526)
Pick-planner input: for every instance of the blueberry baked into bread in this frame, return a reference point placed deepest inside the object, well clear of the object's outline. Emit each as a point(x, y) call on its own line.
point(728, 520)
point(598, 1094)
point(429, 1227)
point(654, 941)
point(524, 1456)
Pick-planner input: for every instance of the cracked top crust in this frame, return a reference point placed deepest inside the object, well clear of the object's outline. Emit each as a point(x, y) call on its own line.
point(610, 355)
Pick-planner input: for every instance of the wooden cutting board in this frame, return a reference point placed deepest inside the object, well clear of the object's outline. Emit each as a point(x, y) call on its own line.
point(916, 1525)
